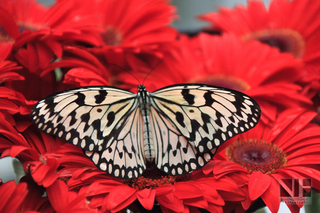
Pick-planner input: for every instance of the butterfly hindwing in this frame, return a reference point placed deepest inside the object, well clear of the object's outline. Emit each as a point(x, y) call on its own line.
point(173, 153)
point(123, 155)
point(205, 115)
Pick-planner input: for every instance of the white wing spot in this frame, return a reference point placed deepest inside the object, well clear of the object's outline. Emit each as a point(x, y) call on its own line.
point(179, 170)
point(223, 136)
point(130, 174)
point(75, 141)
point(241, 129)
point(200, 161)
point(201, 149)
point(116, 173)
point(68, 136)
point(165, 169)
point(207, 157)
point(103, 166)
point(209, 145)
point(95, 158)
point(173, 171)
point(217, 142)
point(91, 146)
point(60, 134)
point(193, 166)
point(49, 130)
point(186, 168)
point(230, 134)
point(109, 168)
point(235, 130)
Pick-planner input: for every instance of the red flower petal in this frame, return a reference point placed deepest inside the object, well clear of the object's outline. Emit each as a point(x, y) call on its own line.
point(258, 184)
point(58, 195)
point(271, 197)
point(84, 77)
point(170, 202)
point(8, 23)
point(11, 196)
point(182, 190)
point(165, 189)
point(146, 197)
point(120, 198)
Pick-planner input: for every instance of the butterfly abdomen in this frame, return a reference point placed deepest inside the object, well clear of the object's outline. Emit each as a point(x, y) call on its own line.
point(144, 105)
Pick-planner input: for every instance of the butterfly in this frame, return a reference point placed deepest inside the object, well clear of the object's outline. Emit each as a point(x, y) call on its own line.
point(178, 128)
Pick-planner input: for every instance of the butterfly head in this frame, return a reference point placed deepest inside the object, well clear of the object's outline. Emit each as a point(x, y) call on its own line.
point(141, 88)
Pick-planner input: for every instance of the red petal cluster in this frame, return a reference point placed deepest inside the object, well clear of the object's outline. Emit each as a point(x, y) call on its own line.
point(270, 53)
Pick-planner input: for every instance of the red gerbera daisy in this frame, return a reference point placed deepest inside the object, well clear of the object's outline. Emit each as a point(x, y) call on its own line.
point(132, 26)
point(292, 26)
point(268, 155)
point(37, 35)
point(130, 29)
point(284, 25)
point(37, 31)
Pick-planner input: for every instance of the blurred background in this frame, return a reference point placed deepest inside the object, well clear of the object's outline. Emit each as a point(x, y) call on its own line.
point(187, 10)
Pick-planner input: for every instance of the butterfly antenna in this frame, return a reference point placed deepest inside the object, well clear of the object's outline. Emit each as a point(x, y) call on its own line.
point(151, 70)
point(126, 71)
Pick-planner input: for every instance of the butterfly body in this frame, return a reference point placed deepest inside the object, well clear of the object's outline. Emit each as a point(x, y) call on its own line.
point(144, 105)
point(178, 128)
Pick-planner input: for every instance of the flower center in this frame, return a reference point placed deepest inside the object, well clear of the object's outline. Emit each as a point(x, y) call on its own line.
point(143, 182)
point(153, 177)
point(256, 155)
point(230, 82)
point(111, 36)
point(286, 40)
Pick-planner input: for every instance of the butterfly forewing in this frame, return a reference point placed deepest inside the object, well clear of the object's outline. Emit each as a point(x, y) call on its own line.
point(206, 116)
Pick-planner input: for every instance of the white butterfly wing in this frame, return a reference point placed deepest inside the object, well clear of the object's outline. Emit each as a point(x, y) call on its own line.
point(103, 121)
point(203, 116)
